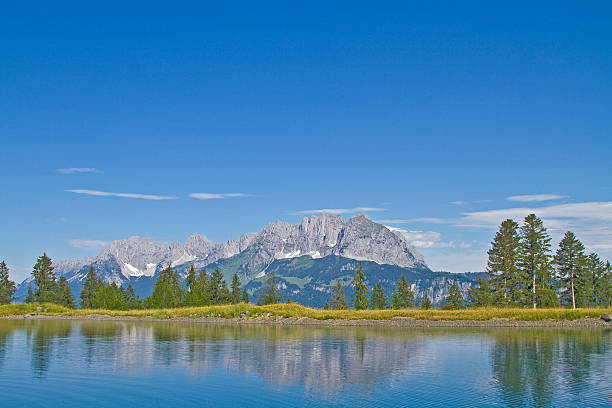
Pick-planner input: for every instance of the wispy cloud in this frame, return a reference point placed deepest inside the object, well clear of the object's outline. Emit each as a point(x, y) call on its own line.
point(217, 196)
point(123, 195)
point(419, 220)
point(457, 202)
point(76, 170)
point(88, 243)
point(535, 197)
point(340, 210)
point(423, 239)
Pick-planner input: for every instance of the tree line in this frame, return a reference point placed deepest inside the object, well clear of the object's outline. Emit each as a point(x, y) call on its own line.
point(522, 271)
point(401, 298)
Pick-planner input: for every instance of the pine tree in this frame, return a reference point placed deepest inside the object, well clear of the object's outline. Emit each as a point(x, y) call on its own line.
point(245, 297)
point(130, 300)
point(402, 297)
point(534, 261)
point(338, 298)
point(426, 303)
point(361, 291)
point(108, 296)
point(30, 296)
point(235, 289)
point(379, 300)
point(45, 280)
point(588, 281)
point(167, 291)
point(502, 266)
point(568, 260)
point(219, 293)
point(7, 287)
point(65, 297)
point(269, 294)
point(604, 286)
point(191, 278)
point(454, 300)
point(481, 294)
point(90, 287)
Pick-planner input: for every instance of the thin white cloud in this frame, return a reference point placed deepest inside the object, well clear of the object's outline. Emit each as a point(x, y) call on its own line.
point(423, 239)
point(535, 197)
point(457, 202)
point(340, 210)
point(88, 243)
point(419, 220)
point(217, 196)
point(76, 170)
point(123, 195)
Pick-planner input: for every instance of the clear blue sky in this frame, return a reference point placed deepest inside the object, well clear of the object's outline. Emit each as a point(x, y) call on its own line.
point(429, 115)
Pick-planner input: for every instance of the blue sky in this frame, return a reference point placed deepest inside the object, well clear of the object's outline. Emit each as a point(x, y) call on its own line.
point(426, 116)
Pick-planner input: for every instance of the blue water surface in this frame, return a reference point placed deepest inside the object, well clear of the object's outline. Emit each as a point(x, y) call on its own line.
point(77, 363)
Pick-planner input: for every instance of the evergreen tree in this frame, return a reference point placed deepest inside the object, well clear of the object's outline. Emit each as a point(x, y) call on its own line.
point(130, 300)
point(454, 300)
point(361, 291)
point(568, 260)
point(235, 289)
point(482, 294)
point(64, 296)
point(219, 293)
point(502, 266)
point(191, 278)
point(269, 294)
point(7, 286)
point(402, 297)
point(534, 261)
point(108, 296)
point(197, 288)
point(45, 280)
point(588, 281)
point(30, 296)
point(289, 301)
point(426, 303)
point(338, 298)
point(90, 287)
point(245, 297)
point(604, 286)
point(379, 300)
point(167, 291)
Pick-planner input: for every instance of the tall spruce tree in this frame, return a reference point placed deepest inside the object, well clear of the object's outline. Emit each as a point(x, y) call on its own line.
point(379, 300)
point(7, 286)
point(90, 287)
point(30, 296)
point(604, 286)
point(454, 300)
point(219, 293)
point(338, 298)
point(534, 261)
point(361, 291)
point(588, 281)
point(167, 291)
point(245, 297)
point(426, 303)
point(402, 297)
point(269, 293)
point(482, 294)
point(502, 266)
point(130, 300)
point(64, 296)
point(44, 277)
point(235, 289)
point(568, 260)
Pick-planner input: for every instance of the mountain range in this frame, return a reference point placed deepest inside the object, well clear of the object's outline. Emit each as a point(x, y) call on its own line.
point(307, 259)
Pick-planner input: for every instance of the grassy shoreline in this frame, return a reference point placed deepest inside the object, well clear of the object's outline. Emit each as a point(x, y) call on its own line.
point(294, 311)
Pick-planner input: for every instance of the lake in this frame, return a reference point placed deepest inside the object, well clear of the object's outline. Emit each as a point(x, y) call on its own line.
point(76, 363)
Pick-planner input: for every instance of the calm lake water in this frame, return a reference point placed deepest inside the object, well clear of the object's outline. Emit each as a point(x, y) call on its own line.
point(133, 364)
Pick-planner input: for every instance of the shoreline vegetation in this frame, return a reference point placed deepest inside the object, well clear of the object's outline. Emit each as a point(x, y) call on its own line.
point(293, 314)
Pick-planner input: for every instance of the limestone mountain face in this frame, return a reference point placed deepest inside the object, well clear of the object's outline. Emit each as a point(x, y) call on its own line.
point(357, 238)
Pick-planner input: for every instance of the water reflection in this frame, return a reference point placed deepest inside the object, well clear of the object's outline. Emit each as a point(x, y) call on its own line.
point(527, 366)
